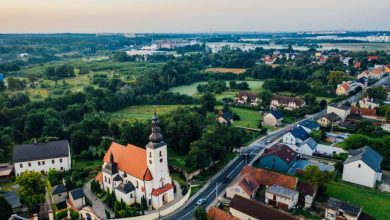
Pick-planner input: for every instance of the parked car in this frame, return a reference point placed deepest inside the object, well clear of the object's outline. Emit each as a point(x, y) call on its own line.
point(201, 201)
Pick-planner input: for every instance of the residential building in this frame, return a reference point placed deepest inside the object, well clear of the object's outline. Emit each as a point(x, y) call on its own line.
point(337, 210)
point(308, 147)
point(252, 178)
point(340, 110)
point(370, 58)
point(77, 198)
point(58, 194)
point(225, 118)
point(41, 157)
point(346, 87)
point(346, 61)
point(249, 209)
point(295, 137)
point(215, 213)
point(279, 157)
point(13, 200)
point(5, 171)
point(363, 111)
point(328, 119)
point(309, 125)
point(274, 118)
point(132, 172)
point(247, 98)
point(307, 193)
point(281, 197)
point(363, 167)
point(373, 73)
point(286, 102)
point(367, 103)
point(269, 60)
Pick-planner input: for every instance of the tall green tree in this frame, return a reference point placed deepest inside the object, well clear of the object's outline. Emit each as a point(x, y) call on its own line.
point(200, 213)
point(336, 77)
point(31, 190)
point(208, 102)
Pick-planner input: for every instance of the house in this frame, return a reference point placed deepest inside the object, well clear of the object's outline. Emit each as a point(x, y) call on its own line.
point(286, 102)
point(367, 103)
point(363, 111)
point(346, 61)
point(337, 209)
point(308, 147)
point(225, 118)
point(370, 58)
point(269, 60)
point(77, 198)
point(295, 137)
point(274, 118)
point(279, 157)
point(376, 73)
point(215, 213)
point(309, 125)
point(58, 194)
point(340, 110)
point(247, 98)
point(307, 193)
point(281, 197)
point(41, 157)
point(249, 209)
point(5, 171)
point(13, 200)
point(328, 119)
point(357, 65)
point(132, 172)
point(346, 87)
point(363, 167)
point(252, 178)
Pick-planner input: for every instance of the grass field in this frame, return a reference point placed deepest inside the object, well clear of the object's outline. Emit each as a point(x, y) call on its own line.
point(190, 89)
point(141, 112)
point(248, 118)
point(374, 203)
point(226, 70)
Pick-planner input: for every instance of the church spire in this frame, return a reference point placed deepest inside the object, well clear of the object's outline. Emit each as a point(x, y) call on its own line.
point(155, 136)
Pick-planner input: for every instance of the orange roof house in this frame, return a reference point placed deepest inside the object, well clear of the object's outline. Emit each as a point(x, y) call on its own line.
point(217, 214)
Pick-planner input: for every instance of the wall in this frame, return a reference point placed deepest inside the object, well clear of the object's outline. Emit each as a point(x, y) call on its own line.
point(269, 120)
point(236, 190)
point(65, 164)
point(363, 176)
point(239, 214)
point(280, 199)
point(58, 198)
point(278, 164)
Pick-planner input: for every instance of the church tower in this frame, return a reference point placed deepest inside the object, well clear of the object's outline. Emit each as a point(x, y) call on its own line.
point(156, 156)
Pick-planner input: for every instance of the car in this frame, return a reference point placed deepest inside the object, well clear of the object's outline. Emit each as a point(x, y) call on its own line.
point(201, 201)
point(225, 180)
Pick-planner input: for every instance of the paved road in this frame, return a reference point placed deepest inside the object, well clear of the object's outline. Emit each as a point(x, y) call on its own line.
point(186, 212)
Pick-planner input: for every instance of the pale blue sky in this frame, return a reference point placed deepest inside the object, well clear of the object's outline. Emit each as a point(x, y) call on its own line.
point(22, 16)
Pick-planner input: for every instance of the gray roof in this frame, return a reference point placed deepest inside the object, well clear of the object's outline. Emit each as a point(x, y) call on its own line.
point(41, 151)
point(282, 191)
point(347, 207)
point(309, 124)
point(367, 155)
point(13, 199)
point(60, 188)
point(311, 143)
point(126, 187)
point(300, 133)
point(118, 178)
point(333, 117)
point(77, 193)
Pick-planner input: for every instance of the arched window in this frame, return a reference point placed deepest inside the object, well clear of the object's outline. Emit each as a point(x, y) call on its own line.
point(150, 154)
point(160, 153)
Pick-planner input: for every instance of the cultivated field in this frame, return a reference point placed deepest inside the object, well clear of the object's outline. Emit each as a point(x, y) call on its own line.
point(226, 70)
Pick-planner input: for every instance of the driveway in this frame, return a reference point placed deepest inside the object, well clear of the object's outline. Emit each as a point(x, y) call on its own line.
point(385, 186)
point(97, 205)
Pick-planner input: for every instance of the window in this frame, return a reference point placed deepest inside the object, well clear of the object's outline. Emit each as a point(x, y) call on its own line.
point(39, 163)
point(273, 159)
point(137, 185)
point(150, 162)
point(131, 195)
point(52, 161)
point(160, 154)
point(60, 160)
point(109, 181)
point(21, 165)
point(359, 165)
point(105, 179)
point(29, 164)
point(59, 194)
point(150, 154)
point(161, 160)
point(43, 162)
point(62, 168)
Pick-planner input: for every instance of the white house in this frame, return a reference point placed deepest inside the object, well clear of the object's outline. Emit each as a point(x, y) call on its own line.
point(337, 209)
point(41, 157)
point(308, 147)
point(340, 110)
point(309, 125)
point(295, 137)
point(286, 102)
point(281, 197)
point(133, 173)
point(363, 167)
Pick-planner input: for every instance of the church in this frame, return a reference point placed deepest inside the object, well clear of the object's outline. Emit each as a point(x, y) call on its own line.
point(133, 173)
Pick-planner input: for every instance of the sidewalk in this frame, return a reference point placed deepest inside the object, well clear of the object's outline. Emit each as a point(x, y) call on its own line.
point(97, 204)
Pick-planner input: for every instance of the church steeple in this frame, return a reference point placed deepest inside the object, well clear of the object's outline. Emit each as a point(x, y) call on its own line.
point(155, 136)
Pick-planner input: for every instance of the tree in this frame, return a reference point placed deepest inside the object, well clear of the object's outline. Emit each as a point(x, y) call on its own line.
point(316, 135)
point(15, 84)
point(315, 176)
point(232, 84)
point(336, 77)
point(310, 98)
point(388, 115)
point(2, 86)
point(355, 141)
point(6, 209)
point(376, 93)
point(266, 98)
point(31, 190)
point(200, 213)
point(208, 102)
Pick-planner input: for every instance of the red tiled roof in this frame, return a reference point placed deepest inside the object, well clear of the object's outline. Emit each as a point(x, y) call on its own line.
point(157, 192)
point(217, 214)
point(363, 111)
point(357, 64)
point(345, 86)
point(269, 178)
point(372, 58)
point(282, 151)
point(376, 71)
point(130, 159)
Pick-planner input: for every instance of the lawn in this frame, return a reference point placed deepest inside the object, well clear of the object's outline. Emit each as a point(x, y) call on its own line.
point(374, 203)
point(255, 86)
point(248, 118)
point(86, 164)
point(141, 112)
point(226, 70)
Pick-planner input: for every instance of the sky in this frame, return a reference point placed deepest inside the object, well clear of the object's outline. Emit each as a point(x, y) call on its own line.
point(129, 16)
